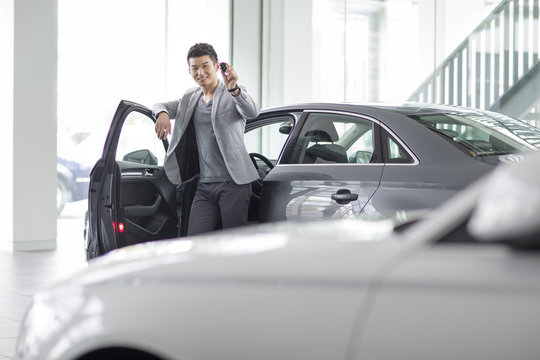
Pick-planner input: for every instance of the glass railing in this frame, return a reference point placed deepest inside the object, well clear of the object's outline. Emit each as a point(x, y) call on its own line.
point(499, 54)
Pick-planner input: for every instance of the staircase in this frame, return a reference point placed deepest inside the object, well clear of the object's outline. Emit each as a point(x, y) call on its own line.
point(496, 68)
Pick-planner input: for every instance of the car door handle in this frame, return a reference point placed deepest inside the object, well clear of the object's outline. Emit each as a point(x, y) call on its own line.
point(148, 172)
point(344, 196)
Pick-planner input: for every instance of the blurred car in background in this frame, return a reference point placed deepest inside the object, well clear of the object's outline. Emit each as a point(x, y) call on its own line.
point(76, 156)
point(460, 284)
point(73, 180)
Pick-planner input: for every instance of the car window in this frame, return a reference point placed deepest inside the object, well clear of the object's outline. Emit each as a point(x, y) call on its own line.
point(334, 138)
point(269, 138)
point(138, 142)
point(394, 152)
point(480, 134)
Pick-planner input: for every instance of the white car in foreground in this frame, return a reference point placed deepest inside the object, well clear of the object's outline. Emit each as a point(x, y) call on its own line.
point(462, 284)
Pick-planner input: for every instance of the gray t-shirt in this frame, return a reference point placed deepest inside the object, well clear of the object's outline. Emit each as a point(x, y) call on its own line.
point(211, 161)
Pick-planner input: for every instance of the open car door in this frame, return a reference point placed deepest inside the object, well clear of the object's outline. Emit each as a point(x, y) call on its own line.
point(130, 198)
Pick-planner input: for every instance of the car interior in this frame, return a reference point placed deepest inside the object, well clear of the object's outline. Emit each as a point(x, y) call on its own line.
point(322, 143)
point(264, 154)
point(325, 149)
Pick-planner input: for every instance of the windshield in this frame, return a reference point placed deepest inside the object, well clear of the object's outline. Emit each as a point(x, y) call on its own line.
point(481, 134)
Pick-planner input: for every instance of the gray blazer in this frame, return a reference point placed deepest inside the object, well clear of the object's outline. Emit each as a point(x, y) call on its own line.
point(229, 116)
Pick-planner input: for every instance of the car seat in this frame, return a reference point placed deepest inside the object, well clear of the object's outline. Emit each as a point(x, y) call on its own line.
point(326, 153)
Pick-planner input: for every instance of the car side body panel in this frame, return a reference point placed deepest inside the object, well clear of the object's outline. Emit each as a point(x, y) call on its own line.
point(424, 186)
point(300, 192)
point(458, 301)
point(438, 170)
point(442, 170)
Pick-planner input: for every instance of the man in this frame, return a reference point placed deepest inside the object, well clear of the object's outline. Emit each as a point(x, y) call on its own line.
point(208, 143)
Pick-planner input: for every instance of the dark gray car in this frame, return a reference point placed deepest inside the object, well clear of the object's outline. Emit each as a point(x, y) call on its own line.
point(314, 160)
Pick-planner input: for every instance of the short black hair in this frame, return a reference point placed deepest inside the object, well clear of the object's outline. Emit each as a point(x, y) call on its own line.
point(202, 49)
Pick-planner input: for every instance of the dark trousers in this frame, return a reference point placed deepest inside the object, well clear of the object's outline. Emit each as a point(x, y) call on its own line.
point(225, 201)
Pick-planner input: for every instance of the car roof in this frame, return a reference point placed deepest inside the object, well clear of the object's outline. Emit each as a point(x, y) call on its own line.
point(406, 108)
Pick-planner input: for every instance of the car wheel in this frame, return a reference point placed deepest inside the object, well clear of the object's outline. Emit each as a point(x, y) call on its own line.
point(62, 195)
point(85, 231)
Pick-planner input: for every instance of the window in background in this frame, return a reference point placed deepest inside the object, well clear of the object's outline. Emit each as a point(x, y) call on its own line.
point(190, 22)
point(328, 39)
point(341, 49)
point(125, 49)
point(359, 50)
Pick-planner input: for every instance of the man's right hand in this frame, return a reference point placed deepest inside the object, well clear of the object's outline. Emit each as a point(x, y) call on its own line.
point(163, 125)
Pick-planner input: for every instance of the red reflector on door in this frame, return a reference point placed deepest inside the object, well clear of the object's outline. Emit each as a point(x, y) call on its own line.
point(121, 227)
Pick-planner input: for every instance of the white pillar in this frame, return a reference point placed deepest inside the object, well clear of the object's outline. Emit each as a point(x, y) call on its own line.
point(34, 124)
point(6, 121)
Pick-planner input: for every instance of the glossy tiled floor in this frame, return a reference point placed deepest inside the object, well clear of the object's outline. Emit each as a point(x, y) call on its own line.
point(24, 273)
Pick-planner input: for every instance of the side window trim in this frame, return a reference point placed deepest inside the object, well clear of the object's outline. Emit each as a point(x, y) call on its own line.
point(386, 132)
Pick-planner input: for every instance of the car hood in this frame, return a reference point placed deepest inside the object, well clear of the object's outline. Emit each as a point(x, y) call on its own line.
point(344, 250)
point(101, 302)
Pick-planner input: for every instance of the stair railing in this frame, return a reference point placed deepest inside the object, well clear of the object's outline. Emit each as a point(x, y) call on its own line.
point(501, 50)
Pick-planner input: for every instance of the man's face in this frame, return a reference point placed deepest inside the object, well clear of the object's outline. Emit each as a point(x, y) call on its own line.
point(203, 70)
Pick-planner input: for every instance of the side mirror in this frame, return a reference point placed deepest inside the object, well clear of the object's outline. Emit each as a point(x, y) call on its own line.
point(362, 157)
point(141, 157)
point(286, 127)
point(508, 205)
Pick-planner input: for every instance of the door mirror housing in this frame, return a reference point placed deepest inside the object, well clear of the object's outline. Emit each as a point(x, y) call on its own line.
point(508, 205)
point(286, 127)
point(141, 157)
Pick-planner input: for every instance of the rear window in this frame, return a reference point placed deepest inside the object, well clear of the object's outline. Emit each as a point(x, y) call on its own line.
point(482, 134)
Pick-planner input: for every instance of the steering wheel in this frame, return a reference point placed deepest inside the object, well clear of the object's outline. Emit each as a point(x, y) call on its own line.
point(255, 156)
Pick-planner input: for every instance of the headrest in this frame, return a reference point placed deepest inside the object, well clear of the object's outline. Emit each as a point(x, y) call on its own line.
point(319, 135)
point(324, 128)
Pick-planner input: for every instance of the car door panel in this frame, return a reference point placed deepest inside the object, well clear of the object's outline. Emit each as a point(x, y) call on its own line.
point(265, 139)
point(99, 233)
point(147, 204)
point(130, 199)
point(91, 227)
point(310, 192)
point(320, 174)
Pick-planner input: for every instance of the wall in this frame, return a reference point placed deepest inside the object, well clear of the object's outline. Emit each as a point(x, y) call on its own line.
point(359, 50)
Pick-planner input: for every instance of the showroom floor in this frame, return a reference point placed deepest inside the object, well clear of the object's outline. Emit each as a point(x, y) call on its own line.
point(24, 273)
